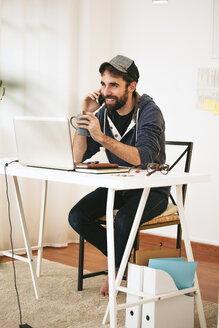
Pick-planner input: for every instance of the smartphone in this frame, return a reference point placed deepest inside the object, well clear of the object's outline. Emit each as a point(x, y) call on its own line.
point(101, 100)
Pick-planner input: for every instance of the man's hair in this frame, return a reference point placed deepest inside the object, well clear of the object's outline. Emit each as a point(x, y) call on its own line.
point(115, 72)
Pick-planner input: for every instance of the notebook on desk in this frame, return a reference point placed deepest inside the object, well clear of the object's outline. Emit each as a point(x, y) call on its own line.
point(46, 142)
point(100, 168)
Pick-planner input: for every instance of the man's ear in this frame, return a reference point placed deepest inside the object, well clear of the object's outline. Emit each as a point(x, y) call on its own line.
point(132, 86)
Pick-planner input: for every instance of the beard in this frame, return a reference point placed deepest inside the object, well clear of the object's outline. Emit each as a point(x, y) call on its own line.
point(119, 102)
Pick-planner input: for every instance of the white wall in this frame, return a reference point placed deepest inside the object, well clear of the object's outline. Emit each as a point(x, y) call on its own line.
point(60, 45)
point(169, 42)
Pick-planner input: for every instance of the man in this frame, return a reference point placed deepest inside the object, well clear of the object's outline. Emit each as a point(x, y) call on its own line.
point(131, 129)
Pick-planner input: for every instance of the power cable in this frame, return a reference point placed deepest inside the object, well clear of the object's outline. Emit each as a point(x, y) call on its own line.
point(21, 325)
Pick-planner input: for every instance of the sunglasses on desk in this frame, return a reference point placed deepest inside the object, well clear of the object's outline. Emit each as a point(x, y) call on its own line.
point(151, 168)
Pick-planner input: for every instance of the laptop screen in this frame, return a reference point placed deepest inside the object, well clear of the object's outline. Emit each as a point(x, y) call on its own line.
point(44, 142)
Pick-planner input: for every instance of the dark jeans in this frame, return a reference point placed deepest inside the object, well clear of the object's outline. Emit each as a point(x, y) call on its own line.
point(83, 215)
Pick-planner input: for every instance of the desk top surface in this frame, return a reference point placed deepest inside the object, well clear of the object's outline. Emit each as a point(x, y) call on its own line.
point(114, 181)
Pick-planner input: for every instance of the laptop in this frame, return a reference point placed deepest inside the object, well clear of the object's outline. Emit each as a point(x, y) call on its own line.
point(46, 142)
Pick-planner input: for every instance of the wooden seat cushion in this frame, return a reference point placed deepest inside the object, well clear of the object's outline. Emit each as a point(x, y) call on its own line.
point(170, 216)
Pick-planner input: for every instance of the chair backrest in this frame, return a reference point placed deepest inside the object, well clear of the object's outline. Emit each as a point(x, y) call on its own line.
point(186, 155)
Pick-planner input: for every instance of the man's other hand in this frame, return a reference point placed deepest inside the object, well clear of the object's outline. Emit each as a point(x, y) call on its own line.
point(89, 121)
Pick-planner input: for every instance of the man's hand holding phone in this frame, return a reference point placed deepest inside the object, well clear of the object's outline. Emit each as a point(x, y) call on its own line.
point(91, 101)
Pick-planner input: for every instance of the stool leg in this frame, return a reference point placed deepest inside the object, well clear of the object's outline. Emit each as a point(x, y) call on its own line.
point(81, 264)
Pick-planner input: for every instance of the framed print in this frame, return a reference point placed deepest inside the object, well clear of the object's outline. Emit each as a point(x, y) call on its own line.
point(215, 29)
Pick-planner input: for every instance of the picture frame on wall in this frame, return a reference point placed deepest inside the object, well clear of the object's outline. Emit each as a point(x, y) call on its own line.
point(215, 29)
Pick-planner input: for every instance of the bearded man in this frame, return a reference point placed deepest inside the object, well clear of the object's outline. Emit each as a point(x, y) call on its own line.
point(131, 128)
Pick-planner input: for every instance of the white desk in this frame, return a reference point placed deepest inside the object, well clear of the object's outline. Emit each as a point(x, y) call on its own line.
point(113, 183)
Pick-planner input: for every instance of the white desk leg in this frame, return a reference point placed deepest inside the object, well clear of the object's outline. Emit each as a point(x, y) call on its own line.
point(41, 227)
point(111, 257)
point(129, 245)
point(189, 254)
point(25, 235)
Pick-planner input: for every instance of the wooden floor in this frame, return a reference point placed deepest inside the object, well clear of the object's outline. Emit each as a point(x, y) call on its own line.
point(208, 261)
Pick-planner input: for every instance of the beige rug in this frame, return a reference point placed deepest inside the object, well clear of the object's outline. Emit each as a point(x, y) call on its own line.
point(60, 305)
